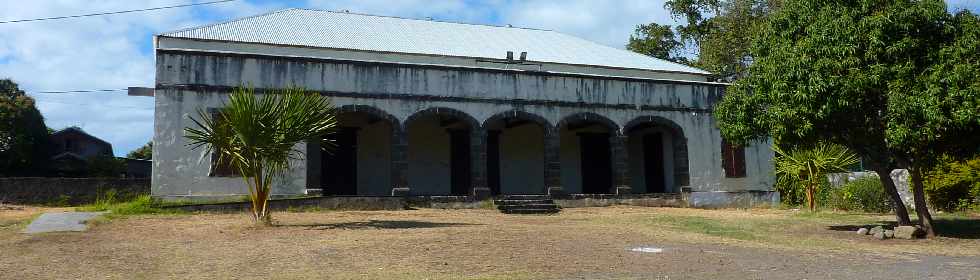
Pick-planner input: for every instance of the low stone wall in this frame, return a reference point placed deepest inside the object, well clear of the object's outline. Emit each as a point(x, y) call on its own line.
point(67, 191)
point(367, 203)
point(723, 199)
point(602, 200)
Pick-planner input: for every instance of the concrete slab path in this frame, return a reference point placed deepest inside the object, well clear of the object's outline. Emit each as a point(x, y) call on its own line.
point(65, 221)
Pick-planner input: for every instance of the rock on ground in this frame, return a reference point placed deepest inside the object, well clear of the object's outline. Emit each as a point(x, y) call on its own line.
point(889, 233)
point(863, 231)
point(876, 230)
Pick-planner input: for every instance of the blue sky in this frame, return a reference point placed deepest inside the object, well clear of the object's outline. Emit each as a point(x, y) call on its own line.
point(116, 51)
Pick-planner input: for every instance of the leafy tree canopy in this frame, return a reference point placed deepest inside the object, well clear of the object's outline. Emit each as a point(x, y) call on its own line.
point(23, 135)
point(720, 31)
point(144, 152)
point(657, 41)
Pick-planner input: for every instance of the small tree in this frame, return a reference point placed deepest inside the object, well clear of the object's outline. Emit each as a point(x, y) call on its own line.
point(144, 152)
point(811, 166)
point(257, 136)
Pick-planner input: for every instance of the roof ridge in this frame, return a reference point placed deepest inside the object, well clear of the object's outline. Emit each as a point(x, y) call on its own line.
point(419, 19)
point(224, 22)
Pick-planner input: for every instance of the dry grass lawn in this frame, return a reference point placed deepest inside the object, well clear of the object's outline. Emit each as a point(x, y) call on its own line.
point(583, 243)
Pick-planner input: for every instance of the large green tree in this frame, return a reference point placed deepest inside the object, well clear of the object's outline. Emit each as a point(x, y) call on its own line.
point(718, 31)
point(657, 41)
point(23, 135)
point(866, 74)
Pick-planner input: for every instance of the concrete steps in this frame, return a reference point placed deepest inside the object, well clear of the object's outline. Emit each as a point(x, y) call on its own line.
point(526, 204)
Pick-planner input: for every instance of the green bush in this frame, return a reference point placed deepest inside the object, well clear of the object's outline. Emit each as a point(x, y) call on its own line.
point(863, 194)
point(954, 185)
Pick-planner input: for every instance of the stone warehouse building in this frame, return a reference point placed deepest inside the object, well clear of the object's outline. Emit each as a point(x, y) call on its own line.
point(431, 108)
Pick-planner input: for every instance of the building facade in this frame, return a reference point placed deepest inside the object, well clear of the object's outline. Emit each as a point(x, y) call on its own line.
point(431, 108)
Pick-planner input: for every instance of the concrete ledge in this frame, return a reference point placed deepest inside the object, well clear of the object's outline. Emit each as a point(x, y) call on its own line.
point(731, 199)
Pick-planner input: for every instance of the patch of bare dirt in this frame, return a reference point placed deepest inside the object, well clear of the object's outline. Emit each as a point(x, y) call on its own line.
point(586, 243)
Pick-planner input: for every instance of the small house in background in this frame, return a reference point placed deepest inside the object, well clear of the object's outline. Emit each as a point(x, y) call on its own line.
point(73, 149)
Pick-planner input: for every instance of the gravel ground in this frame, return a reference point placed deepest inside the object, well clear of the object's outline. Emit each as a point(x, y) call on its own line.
point(588, 243)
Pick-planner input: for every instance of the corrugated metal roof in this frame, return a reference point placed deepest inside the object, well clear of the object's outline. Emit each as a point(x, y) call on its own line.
point(341, 30)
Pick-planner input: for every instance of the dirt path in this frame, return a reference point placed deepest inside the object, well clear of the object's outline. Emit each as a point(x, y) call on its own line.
point(592, 243)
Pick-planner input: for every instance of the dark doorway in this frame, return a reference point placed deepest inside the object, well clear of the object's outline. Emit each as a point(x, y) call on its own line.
point(459, 161)
point(653, 162)
point(493, 161)
point(339, 166)
point(595, 162)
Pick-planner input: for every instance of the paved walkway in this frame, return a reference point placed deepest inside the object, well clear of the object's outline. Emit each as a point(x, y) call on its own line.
point(65, 221)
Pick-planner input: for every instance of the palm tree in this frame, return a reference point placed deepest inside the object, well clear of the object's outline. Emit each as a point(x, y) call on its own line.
point(257, 136)
point(811, 166)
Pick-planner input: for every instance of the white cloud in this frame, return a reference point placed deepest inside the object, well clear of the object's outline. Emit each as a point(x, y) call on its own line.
point(606, 22)
point(107, 52)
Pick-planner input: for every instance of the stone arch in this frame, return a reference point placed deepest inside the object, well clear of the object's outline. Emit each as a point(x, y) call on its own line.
point(590, 153)
point(371, 111)
point(518, 114)
point(678, 160)
point(444, 152)
point(520, 146)
point(588, 117)
point(443, 111)
point(359, 158)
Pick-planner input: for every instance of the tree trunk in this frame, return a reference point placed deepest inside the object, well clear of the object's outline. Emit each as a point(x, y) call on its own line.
point(901, 213)
point(921, 207)
point(810, 197)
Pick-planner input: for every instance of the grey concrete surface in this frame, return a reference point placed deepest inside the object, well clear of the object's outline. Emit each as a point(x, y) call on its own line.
point(65, 221)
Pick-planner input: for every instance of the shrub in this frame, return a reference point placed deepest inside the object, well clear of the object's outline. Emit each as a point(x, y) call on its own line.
point(863, 194)
point(953, 185)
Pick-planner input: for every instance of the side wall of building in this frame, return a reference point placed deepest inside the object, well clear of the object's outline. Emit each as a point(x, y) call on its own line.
point(187, 81)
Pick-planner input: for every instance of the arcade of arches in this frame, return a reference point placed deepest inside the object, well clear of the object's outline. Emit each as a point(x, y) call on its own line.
point(442, 151)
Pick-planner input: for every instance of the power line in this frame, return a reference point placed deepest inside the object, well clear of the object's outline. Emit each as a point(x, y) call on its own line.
point(116, 12)
point(82, 91)
point(96, 105)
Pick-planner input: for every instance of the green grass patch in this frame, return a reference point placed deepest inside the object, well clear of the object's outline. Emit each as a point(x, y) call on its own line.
point(139, 205)
point(712, 227)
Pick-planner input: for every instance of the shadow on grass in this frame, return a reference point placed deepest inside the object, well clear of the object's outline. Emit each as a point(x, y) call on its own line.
point(951, 227)
point(379, 224)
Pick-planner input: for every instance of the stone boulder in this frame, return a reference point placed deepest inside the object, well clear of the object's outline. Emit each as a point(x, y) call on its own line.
point(880, 235)
point(876, 230)
point(909, 232)
point(889, 233)
point(863, 231)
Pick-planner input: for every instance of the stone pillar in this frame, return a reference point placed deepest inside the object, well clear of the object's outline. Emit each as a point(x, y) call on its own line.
point(478, 165)
point(552, 163)
point(620, 163)
point(399, 163)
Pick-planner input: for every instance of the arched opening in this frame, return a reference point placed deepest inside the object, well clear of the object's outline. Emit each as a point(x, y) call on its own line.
point(515, 153)
point(658, 155)
point(586, 154)
point(439, 152)
point(358, 158)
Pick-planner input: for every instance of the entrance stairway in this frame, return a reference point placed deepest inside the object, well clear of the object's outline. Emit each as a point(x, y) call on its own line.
point(526, 204)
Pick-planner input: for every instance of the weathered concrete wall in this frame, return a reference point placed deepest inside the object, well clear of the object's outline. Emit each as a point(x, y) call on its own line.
point(521, 155)
point(186, 82)
point(179, 170)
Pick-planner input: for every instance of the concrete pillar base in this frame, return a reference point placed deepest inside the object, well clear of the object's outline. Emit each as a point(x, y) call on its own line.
point(623, 190)
point(480, 193)
point(557, 192)
point(400, 191)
